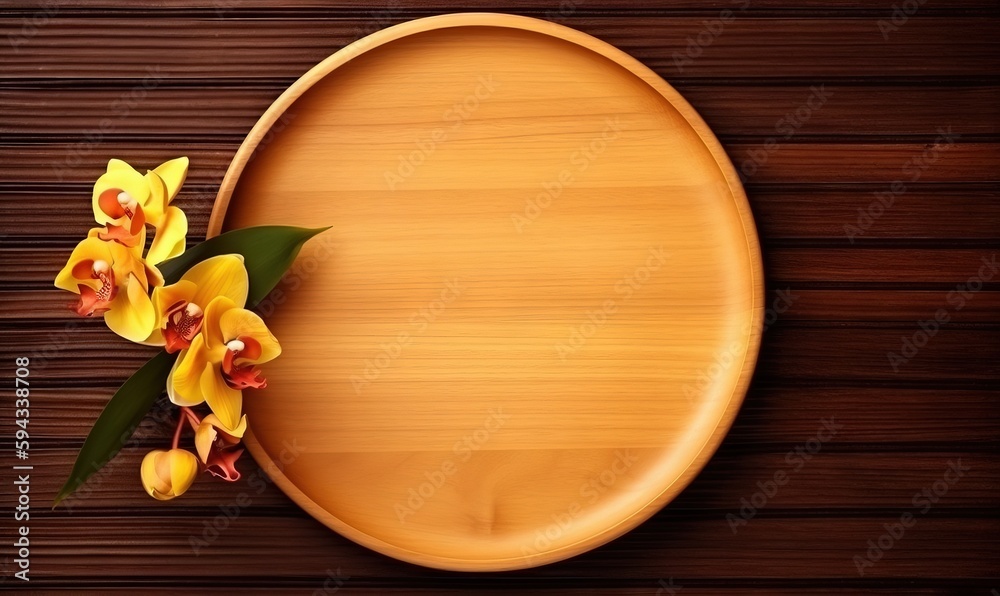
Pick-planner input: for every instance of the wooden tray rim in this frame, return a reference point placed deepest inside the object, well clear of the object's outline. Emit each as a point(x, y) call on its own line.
point(750, 352)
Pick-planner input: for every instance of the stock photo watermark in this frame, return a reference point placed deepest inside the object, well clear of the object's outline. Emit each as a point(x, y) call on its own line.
point(579, 161)
point(300, 272)
point(121, 107)
point(733, 354)
point(332, 582)
point(426, 145)
point(31, 25)
point(901, 13)
point(795, 459)
point(956, 299)
point(590, 493)
point(231, 511)
point(711, 30)
point(913, 169)
point(463, 450)
point(785, 128)
point(598, 318)
point(419, 321)
point(923, 501)
point(667, 587)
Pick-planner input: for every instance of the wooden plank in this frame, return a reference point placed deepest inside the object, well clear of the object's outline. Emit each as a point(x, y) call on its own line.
point(251, 49)
point(390, 587)
point(823, 354)
point(766, 110)
point(29, 166)
point(789, 355)
point(48, 308)
point(844, 213)
point(772, 417)
point(555, 11)
point(39, 265)
point(672, 544)
point(851, 214)
point(826, 480)
point(957, 266)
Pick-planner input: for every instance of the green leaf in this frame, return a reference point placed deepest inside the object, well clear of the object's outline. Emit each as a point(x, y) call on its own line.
point(268, 252)
point(119, 420)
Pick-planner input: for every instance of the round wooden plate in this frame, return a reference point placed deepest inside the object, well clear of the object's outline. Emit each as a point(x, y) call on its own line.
point(539, 306)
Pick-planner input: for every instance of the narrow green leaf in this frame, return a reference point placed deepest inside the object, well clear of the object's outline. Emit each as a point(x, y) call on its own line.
point(119, 420)
point(268, 252)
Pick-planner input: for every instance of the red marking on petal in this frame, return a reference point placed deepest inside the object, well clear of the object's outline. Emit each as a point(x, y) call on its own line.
point(222, 463)
point(138, 220)
point(245, 377)
point(251, 350)
point(181, 327)
point(108, 202)
point(174, 341)
point(90, 303)
point(120, 235)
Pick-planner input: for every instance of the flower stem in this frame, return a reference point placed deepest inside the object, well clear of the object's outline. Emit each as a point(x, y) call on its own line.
point(191, 417)
point(177, 433)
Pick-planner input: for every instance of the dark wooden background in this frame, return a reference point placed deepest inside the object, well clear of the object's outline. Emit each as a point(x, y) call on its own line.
point(87, 80)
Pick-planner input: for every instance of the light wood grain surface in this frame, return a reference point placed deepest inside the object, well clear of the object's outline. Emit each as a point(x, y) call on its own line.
point(538, 308)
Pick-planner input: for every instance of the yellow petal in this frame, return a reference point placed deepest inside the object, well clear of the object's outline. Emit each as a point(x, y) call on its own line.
point(211, 329)
point(203, 439)
point(222, 275)
point(152, 482)
point(88, 250)
point(155, 204)
point(173, 173)
point(184, 380)
point(128, 261)
point(237, 432)
point(115, 165)
point(169, 239)
point(183, 470)
point(121, 178)
point(153, 276)
point(240, 322)
point(166, 296)
point(131, 314)
point(226, 402)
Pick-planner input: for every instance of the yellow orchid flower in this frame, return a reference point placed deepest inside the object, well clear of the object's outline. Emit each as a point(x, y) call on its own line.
point(180, 307)
point(111, 280)
point(221, 361)
point(168, 474)
point(216, 444)
point(125, 201)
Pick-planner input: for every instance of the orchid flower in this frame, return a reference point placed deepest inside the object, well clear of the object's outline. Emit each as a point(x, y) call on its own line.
point(111, 280)
point(221, 361)
point(216, 444)
point(180, 307)
point(125, 201)
point(168, 474)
